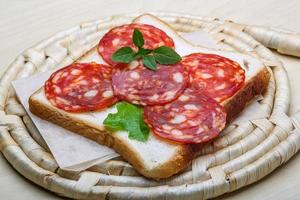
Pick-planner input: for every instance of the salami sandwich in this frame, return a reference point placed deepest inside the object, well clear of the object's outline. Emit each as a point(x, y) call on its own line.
point(150, 95)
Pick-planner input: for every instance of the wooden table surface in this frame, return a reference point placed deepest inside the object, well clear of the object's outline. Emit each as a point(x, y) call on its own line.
point(23, 23)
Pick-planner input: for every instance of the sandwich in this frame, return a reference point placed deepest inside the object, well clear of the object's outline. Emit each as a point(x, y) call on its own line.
point(149, 94)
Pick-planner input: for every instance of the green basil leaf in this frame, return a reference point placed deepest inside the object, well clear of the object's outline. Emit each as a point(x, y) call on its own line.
point(149, 62)
point(128, 118)
point(113, 122)
point(123, 55)
point(138, 39)
point(141, 52)
point(165, 55)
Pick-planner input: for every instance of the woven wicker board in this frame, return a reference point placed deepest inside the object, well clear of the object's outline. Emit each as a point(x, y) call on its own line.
point(245, 153)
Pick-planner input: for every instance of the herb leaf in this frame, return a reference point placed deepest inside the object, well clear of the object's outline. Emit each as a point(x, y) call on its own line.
point(138, 39)
point(149, 62)
point(141, 52)
point(123, 55)
point(165, 55)
point(128, 118)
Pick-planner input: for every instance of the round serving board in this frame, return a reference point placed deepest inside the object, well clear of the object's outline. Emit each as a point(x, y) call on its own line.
point(243, 154)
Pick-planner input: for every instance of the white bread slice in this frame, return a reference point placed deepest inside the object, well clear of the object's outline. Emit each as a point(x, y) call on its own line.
point(157, 158)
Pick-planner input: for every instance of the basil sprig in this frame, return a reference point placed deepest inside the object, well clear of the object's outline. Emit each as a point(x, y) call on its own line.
point(124, 55)
point(128, 118)
point(163, 55)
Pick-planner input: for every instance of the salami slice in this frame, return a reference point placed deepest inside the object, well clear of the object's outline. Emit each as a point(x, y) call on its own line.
point(216, 76)
point(81, 87)
point(147, 87)
point(122, 36)
point(192, 118)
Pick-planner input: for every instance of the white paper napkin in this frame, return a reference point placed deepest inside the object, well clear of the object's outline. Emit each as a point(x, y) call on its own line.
point(70, 150)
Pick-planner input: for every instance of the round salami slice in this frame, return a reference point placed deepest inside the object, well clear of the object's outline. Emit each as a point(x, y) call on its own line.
point(122, 36)
point(81, 87)
point(147, 87)
point(192, 118)
point(216, 76)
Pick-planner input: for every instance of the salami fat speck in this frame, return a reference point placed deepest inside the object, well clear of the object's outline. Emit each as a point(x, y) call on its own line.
point(122, 36)
point(81, 87)
point(216, 76)
point(147, 87)
point(192, 118)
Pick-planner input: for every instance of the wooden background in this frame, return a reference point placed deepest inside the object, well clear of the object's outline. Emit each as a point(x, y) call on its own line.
point(23, 23)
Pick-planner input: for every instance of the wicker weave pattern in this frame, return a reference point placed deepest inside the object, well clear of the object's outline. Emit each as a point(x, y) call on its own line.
point(245, 153)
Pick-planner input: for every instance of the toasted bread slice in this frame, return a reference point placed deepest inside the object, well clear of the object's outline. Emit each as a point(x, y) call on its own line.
point(157, 158)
